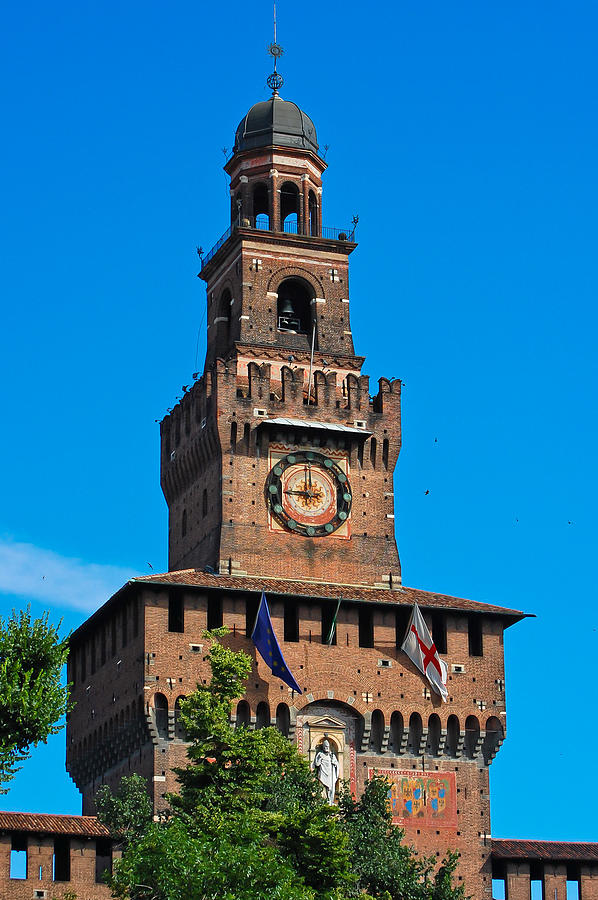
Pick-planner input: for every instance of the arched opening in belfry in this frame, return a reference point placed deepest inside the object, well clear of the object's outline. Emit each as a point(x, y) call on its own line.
point(289, 208)
point(313, 213)
point(261, 207)
point(294, 306)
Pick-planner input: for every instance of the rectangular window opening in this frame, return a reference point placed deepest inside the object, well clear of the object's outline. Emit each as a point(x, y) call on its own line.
point(536, 892)
point(573, 890)
point(498, 889)
point(61, 861)
point(291, 621)
point(366, 627)
point(176, 612)
point(474, 628)
point(18, 857)
point(214, 613)
point(103, 860)
point(401, 623)
point(251, 608)
point(113, 635)
point(439, 631)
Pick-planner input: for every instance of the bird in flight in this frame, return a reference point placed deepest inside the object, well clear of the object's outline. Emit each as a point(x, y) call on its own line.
point(426, 493)
point(151, 567)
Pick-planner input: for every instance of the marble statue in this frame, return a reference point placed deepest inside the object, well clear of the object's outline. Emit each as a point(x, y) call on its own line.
point(326, 768)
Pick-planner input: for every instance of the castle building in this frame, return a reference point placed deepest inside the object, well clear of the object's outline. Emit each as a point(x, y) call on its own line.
point(277, 466)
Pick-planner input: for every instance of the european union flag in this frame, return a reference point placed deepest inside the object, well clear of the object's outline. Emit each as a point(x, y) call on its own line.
point(268, 647)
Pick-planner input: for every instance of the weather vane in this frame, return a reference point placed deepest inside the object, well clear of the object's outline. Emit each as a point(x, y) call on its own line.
point(275, 81)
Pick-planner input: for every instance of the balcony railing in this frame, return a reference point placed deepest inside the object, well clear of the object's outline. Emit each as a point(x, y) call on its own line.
point(262, 224)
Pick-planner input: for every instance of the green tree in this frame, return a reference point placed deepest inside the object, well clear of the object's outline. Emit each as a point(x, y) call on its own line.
point(384, 865)
point(250, 822)
point(32, 698)
point(128, 812)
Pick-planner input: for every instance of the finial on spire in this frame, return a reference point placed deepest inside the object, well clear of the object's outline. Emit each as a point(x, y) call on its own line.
point(275, 81)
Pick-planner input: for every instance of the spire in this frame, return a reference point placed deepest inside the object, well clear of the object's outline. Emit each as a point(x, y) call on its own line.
point(275, 81)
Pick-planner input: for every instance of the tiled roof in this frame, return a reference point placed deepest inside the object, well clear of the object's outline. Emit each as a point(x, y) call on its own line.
point(402, 595)
point(565, 851)
point(86, 826)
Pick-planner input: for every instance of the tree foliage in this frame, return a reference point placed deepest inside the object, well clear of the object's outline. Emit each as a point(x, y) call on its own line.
point(32, 698)
point(128, 812)
point(250, 822)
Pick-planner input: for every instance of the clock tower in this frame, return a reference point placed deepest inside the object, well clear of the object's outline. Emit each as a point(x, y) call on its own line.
point(278, 461)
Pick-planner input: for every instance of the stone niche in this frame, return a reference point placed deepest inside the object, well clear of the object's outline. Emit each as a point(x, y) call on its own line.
point(338, 723)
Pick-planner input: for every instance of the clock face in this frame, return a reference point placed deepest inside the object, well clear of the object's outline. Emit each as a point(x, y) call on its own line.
point(309, 493)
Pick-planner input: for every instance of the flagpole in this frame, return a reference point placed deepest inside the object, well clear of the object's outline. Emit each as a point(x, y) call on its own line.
point(333, 626)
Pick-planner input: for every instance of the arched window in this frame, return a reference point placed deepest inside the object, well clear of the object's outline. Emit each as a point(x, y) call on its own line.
point(396, 732)
point(179, 730)
point(352, 392)
point(246, 436)
point(415, 734)
point(452, 736)
point(224, 313)
point(373, 449)
point(161, 716)
point(472, 736)
point(294, 306)
point(204, 502)
point(233, 435)
point(320, 388)
point(283, 719)
point(385, 453)
point(493, 739)
point(184, 523)
point(261, 207)
point(289, 208)
point(433, 742)
point(243, 714)
point(313, 214)
point(286, 380)
point(377, 731)
point(262, 715)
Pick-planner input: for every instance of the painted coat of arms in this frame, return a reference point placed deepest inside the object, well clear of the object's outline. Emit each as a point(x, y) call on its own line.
point(421, 798)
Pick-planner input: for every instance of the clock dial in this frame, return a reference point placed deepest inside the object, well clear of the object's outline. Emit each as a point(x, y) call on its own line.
point(309, 493)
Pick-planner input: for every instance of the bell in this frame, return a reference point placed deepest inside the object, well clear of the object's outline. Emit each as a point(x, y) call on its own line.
point(286, 308)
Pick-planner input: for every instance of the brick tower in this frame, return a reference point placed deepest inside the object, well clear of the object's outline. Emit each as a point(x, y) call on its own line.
point(281, 383)
point(277, 467)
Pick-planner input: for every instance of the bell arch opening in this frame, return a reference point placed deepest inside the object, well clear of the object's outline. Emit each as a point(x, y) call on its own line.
point(294, 304)
point(261, 207)
point(289, 208)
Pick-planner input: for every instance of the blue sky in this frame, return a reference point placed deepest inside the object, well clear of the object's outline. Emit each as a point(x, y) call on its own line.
point(465, 137)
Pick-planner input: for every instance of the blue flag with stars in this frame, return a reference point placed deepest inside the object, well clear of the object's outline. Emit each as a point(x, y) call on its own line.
point(268, 647)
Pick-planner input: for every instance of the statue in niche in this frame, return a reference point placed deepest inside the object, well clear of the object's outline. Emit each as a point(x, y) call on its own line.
point(326, 768)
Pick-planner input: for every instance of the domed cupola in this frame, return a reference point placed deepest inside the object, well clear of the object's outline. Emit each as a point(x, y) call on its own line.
point(276, 122)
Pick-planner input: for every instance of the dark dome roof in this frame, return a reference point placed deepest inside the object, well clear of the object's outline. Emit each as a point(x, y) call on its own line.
point(276, 121)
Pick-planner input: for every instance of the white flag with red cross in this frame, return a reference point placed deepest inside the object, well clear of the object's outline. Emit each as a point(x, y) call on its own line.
point(421, 650)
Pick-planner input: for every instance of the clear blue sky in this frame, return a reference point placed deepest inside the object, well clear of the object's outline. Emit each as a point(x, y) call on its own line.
point(465, 137)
